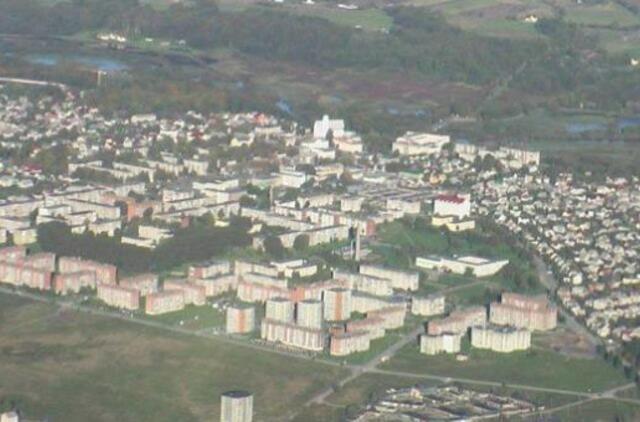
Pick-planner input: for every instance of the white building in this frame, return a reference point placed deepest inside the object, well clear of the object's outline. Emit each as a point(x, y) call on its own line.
point(412, 143)
point(504, 339)
point(452, 205)
point(440, 343)
point(236, 406)
point(292, 178)
point(337, 304)
point(403, 280)
point(240, 319)
point(428, 306)
point(9, 417)
point(322, 127)
point(479, 267)
point(279, 309)
point(309, 313)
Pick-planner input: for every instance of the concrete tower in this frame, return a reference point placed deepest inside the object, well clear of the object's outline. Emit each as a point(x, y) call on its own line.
point(309, 313)
point(241, 319)
point(280, 309)
point(337, 304)
point(236, 406)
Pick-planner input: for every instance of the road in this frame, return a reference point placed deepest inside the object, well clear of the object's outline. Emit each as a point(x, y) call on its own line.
point(370, 366)
point(32, 82)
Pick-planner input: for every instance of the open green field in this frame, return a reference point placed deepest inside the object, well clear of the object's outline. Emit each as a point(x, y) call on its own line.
point(495, 18)
point(402, 241)
point(372, 19)
point(617, 42)
point(536, 368)
point(604, 410)
point(598, 14)
point(192, 317)
point(77, 367)
point(607, 19)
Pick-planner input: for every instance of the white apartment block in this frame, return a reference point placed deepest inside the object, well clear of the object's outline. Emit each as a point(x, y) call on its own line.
point(453, 205)
point(500, 339)
point(440, 343)
point(428, 306)
point(479, 267)
point(412, 143)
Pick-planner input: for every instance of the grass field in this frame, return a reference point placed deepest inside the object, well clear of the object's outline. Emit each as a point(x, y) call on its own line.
point(601, 14)
point(617, 42)
point(367, 19)
point(604, 410)
point(401, 243)
point(504, 18)
point(77, 367)
point(192, 317)
point(537, 368)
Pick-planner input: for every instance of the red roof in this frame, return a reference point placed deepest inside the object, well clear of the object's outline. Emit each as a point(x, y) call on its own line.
point(451, 198)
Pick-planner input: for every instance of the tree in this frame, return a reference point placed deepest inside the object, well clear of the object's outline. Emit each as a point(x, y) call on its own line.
point(273, 246)
point(301, 243)
point(247, 201)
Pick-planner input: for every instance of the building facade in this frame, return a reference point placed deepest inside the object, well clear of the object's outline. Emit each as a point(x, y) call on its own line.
point(236, 406)
point(503, 339)
point(337, 304)
point(241, 319)
point(440, 343)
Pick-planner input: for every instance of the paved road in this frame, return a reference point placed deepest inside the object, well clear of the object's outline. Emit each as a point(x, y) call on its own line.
point(446, 379)
point(370, 366)
point(31, 82)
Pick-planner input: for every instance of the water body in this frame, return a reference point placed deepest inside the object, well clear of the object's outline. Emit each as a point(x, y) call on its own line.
point(628, 122)
point(575, 128)
point(94, 62)
point(622, 123)
point(395, 111)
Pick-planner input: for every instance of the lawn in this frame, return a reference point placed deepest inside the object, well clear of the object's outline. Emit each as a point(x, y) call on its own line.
point(367, 19)
point(401, 241)
point(494, 18)
point(192, 317)
point(600, 411)
point(617, 42)
point(602, 14)
point(77, 367)
point(502, 28)
point(472, 295)
point(535, 368)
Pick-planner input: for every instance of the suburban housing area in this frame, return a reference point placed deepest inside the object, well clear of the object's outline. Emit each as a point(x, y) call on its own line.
point(257, 232)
